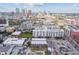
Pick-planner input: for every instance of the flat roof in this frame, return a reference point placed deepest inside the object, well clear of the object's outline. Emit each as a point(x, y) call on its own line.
point(38, 41)
point(48, 28)
point(17, 41)
point(16, 33)
point(76, 34)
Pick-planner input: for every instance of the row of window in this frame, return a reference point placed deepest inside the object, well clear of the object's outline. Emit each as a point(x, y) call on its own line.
point(53, 34)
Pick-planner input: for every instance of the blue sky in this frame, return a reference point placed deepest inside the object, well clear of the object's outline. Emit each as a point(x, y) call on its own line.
point(51, 7)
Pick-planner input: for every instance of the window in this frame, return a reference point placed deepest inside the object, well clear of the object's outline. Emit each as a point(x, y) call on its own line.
point(56, 34)
point(43, 33)
point(47, 33)
point(40, 33)
point(33, 33)
point(37, 33)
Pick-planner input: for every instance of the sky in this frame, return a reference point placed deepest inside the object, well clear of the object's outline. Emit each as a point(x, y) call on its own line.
point(36, 7)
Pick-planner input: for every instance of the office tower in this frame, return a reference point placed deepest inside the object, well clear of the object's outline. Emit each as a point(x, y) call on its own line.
point(29, 13)
point(17, 11)
point(23, 12)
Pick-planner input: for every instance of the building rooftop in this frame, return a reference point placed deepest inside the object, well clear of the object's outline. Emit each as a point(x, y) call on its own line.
point(48, 28)
point(4, 49)
point(13, 41)
point(64, 47)
point(16, 33)
point(38, 41)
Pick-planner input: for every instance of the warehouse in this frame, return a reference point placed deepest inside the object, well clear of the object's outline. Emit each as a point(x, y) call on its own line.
point(14, 41)
point(39, 44)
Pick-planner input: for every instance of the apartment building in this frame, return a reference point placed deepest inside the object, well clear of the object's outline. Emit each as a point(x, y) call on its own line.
point(48, 31)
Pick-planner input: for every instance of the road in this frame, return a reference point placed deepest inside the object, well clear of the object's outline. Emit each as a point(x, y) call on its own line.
point(51, 44)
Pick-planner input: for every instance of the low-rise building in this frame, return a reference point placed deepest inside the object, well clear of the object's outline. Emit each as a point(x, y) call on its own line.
point(39, 44)
point(5, 50)
point(14, 41)
point(16, 33)
point(10, 29)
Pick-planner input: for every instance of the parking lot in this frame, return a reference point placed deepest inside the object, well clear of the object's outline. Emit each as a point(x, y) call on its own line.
point(60, 47)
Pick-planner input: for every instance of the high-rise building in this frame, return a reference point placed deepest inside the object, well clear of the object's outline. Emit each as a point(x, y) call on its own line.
point(23, 11)
point(29, 13)
point(18, 14)
point(3, 24)
point(17, 11)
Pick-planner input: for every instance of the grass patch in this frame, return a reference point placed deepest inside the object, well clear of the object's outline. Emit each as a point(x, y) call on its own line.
point(25, 35)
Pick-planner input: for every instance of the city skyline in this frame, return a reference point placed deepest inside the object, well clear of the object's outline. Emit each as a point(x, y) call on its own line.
point(35, 7)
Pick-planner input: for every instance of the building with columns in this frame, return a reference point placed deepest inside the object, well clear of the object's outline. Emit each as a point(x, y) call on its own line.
point(48, 31)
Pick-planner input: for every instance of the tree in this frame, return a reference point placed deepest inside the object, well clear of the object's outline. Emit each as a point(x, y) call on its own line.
point(29, 44)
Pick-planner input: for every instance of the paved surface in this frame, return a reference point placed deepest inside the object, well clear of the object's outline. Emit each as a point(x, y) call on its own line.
point(54, 45)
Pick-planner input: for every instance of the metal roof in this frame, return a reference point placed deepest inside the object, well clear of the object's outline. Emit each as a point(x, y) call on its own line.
point(38, 41)
point(18, 41)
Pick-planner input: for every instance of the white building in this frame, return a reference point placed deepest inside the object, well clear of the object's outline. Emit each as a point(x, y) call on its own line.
point(26, 25)
point(16, 33)
point(67, 30)
point(14, 41)
point(48, 31)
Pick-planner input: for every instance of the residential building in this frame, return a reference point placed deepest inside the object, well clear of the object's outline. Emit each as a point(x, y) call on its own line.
point(27, 25)
point(48, 31)
point(3, 24)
